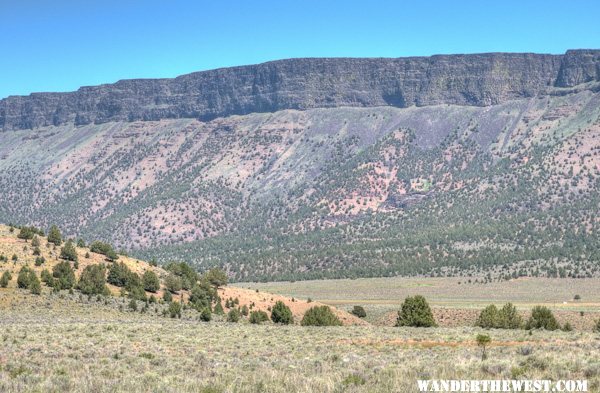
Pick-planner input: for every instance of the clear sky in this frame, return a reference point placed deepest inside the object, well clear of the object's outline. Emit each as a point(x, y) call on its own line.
point(59, 45)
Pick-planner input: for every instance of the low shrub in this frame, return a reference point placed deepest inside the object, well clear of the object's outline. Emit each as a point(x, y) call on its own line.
point(359, 311)
point(258, 317)
point(320, 316)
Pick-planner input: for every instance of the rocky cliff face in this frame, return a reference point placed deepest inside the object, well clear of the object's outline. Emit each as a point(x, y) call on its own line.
point(475, 80)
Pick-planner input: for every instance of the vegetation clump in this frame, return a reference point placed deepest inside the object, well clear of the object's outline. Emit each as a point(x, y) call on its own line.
point(28, 232)
point(320, 316)
point(359, 311)
point(217, 277)
point(64, 276)
point(27, 279)
point(281, 314)
point(185, 275)
point(93, 280)
point(234, 315)
point(258, 317)
point(542, 318)
point(150, 281)
point(175, 310)
point(104, 249)
point(5, 279)
point(483, 340)
point(415, 312)
point(54, 236)
point(505, 318)
point(69, 252)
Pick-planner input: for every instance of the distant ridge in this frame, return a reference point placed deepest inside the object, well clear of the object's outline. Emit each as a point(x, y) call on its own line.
point(473, 80)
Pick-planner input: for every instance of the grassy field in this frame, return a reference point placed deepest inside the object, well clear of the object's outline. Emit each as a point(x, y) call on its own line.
point(69, 342)
point(69, 346)
point(458, 304)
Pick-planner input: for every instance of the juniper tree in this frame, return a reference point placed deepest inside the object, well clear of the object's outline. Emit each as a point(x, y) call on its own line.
point(5, 279)
point(257, 317)
point(175, 310)
point(415, 311)
point(234, 315)
point(150, 281)
point(54, 235)
point(542, 318)
point(34, 284)
point(24, 277)
point(64, 275)
point(217, 277)
point(68, 252)
point(320, 316)
point(281, 313)
point(93, 280)
point(26, 233)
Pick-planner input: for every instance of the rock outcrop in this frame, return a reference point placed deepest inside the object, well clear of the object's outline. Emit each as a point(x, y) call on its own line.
point(476, 80)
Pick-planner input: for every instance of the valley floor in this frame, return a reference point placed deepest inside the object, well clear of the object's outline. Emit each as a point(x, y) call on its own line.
point(455, 301)
point(69, 346)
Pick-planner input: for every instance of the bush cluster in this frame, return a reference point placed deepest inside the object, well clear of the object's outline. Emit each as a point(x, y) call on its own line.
point(505, 318)
point(415, 312)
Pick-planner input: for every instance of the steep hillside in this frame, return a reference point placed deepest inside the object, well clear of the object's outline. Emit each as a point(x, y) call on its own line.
point(507, 189)
point(17, 253)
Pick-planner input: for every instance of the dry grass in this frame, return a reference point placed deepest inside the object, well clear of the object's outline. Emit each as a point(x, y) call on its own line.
point(66, 346)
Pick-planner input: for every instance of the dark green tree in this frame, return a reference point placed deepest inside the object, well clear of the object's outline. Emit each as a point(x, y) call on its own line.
point(187, 274)
point(47, 278)
point(320, 316)
point(218, 307)
point(64, 276)
point(415, 312)
point(34, 285)
point(202, 295)
point(173, 283)
point(217, 277)
point(281, 313)
point(54, 235)
point(542, 318)
point(234, 315)
point(68, 252)
point(5, 279)
point(509, 317)
point(26, 233)
point(205, 315)
point(24, 277)
point(150, 281)
point(104, 249)
point(489, 318)
point(93, 280)
point(119, 275)
point(257, 317)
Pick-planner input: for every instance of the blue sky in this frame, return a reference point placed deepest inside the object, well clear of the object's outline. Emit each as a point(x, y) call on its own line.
point(60, 45)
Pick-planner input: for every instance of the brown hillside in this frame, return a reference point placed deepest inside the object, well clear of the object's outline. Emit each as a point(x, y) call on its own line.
point(11, 245)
